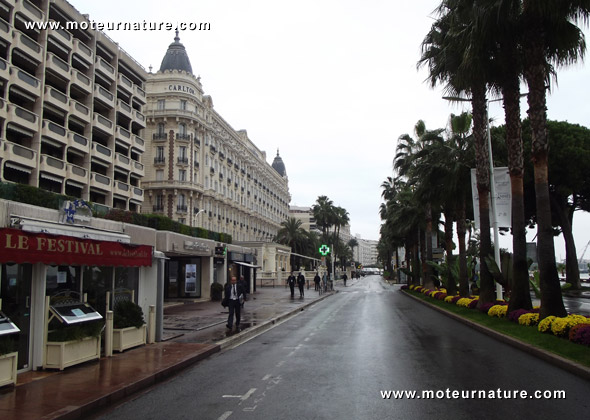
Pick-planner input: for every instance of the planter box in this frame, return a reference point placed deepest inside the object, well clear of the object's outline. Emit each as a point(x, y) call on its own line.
point(8, 368)
point(126, 338)
point(60, 355)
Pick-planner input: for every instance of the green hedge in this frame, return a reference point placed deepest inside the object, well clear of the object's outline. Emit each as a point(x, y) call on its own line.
point(39, 197)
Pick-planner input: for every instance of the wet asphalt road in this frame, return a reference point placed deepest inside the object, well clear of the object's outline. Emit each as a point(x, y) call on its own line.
point(335, 359)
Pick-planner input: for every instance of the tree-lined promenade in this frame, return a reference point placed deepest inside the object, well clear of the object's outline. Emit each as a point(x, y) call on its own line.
point(482, 50)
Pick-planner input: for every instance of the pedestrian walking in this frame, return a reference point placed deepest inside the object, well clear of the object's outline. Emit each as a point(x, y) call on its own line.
point(243, 283)
point(324, 281)
point(233, 291)
point(316, 280)
point(301, 283)
point(344, 278)
point(291, 283)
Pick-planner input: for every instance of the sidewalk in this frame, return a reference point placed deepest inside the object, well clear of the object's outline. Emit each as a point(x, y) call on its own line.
point(192, 332)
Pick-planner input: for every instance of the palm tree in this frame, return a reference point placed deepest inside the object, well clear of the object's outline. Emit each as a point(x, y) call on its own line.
point(352, 243)
point(323, 213)
point(457, 57)
point(550, 37)
point(292, 234)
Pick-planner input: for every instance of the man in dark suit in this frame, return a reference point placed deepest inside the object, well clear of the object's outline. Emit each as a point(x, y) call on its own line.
point(233, 291)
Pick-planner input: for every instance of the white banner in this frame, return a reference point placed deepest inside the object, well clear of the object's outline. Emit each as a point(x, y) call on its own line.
point(503, 198)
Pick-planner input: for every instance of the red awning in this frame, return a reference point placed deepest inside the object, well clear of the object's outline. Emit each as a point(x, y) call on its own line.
point(21, 247)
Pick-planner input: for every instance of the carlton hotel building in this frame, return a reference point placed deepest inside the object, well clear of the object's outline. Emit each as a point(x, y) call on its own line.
point(79, 116)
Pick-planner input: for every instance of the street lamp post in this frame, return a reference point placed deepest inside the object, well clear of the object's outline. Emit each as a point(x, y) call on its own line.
point(492, 187)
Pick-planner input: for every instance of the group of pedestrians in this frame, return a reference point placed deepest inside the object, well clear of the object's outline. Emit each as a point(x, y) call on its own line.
point(300, 280)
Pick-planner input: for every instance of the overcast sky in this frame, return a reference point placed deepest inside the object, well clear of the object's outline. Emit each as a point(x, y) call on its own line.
point(331, 84)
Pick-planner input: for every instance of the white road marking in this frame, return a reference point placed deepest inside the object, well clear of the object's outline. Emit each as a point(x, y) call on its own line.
point(247, 394)
point(225, 415)
point(266, 377)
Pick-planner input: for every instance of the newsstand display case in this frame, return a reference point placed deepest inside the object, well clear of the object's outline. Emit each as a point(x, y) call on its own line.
point(8, 358)
point(73, 331)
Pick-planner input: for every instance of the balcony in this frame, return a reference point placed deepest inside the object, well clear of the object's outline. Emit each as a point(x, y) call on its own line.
point(53, 166)
point(123, 135)
point(124, 109)
point(122, 161)
point(121, 188)
point(139, 94)
point(54, 131)
point(28, 11)
point(137, 193)
point(81, 81)
point(137, 168)
point(158, 208)
point(76, 174)
point(58, 66)
point(5, 31)
point(23, 118)
point(80, 111)
point(25, 81)
point(139, 143)
point(82, 50)
point(159, 136)
point(181, 208)
point(139, 118)
point(78, 142)
point(183, 136)
point(100, 181)
point(101, 152)
point(63, 37)
point(4, 69)
point(125, 84)
point(159, 160)
point(18, 154)
point(56, 98)
point(102, 123)
point(25, 44)
point(104, 96)
point(182, 160)
point(105, 68)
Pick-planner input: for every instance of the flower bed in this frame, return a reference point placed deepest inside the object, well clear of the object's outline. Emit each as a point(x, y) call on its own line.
point(576, 328)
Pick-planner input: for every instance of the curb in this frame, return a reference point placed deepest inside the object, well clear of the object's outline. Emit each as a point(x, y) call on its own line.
point(253, 331)
point(559, 361)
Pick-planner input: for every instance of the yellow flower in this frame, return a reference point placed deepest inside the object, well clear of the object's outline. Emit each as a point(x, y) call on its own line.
point(528, 319)
point(545, 324)
point(498, 311)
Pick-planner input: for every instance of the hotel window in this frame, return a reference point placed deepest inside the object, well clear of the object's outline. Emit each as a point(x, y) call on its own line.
point(182, 153)
point(183, 105)
point(181, 175)
point(159, 175)
point(161, 128)
point(182, 129)
point(160, 201)
point(161, 104)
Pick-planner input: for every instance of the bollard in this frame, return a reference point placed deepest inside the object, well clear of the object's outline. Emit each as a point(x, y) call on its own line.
point(108, 335)
point(152, 325)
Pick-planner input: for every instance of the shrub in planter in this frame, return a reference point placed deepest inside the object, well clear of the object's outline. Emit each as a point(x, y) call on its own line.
point(473, 303)
point(485, 307)
point(216, 291)
point(127, 314)
point(62, 332)
point(515, 315)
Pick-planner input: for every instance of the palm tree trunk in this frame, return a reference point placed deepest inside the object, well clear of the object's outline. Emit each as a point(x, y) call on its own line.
point(520, 297)
point(572, 269)
point(535, 75)
point(428, 278)
point(482, 157)
point(461, 230)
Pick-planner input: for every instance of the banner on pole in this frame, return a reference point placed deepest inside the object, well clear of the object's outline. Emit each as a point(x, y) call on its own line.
point(503, 198)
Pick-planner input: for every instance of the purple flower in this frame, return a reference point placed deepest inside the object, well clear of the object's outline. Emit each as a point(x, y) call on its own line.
point(580, 334)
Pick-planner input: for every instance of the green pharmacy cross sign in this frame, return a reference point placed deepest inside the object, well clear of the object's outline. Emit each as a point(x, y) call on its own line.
point(324, 250)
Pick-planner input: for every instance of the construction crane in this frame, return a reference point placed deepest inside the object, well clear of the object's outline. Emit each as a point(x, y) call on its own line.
point(583, 252)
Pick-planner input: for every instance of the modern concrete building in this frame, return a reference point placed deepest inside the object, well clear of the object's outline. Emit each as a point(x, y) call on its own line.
point(204, 172)
point(71, 107)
